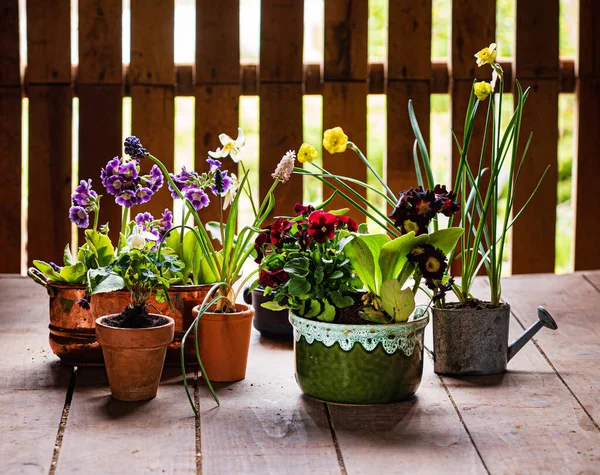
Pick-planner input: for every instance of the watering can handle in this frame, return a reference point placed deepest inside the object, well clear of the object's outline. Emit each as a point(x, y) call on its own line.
point(37, 277)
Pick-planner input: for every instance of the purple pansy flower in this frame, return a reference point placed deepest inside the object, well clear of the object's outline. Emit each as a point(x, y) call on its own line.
point(197, 197)
point(127, 199)
point(79, 216)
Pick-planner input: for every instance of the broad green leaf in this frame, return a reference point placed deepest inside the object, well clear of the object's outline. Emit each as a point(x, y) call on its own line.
point(203, 274)
point(397, 303)
point(173, 241)
point(328, 314)
point(338, 274)
point(314, 310)
point(339, 212)
point(74, 274)
point(101, 246)
point(48, 271)
point(445, 239)
point(393, 254)
point(102, 281)
point(272, 305)
point(298, 287)
point(67, 256)
point(214, 230)
point(372, 315)
point(188, 250)
point(363, 252)
point(341, 301)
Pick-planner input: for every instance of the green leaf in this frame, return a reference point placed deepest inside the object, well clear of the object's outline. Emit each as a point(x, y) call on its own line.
point(376, 316)
point(341, 301)
point(203, 273)
point(173, 241)
point(188, 250)
point(338, 274)
point(445, 239)
point(103, 280)
point(397, 303)
point(363, 228)
point(363, 252)
point(74, 274)
point(214, 230)
point(272, 305)
point(328, 314)
point(297, 266)
point(101, 246)
point(314, 310)
point(298, 287)
point(48, 271)
point(67, 256)
point(393, 254)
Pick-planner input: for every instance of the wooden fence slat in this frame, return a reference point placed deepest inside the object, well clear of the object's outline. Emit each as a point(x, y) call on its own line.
point(409, 77)
point(153, 88)
point(50, 116)
point(586, 164)
point(280, 76)
point(10, 169)
point(100, 92)
point(217, 83)
point(345, 88)
point(10, 67)
point(473, 28)
point(537, 66)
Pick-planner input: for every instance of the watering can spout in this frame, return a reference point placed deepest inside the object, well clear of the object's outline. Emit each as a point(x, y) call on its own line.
point(544, 320)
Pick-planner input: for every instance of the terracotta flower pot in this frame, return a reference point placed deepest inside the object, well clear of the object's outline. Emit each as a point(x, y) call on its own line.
point(224, 341)
point(134, 358)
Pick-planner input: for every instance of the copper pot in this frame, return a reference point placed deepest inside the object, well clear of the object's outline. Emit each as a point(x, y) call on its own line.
point(72, 329)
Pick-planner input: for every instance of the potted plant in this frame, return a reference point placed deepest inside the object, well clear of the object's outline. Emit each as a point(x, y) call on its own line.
point(471, 336)
point(134, 342)
point(363, 343)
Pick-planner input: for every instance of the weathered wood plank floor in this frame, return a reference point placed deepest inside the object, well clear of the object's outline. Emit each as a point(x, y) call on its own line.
point(542, 416)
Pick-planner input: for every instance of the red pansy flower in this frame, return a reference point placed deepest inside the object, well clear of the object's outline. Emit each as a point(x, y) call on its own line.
point(348, 222)
point(269, 278)
point(278, 229)
point(321, 226)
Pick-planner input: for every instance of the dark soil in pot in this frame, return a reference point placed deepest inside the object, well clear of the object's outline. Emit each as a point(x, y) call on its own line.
point(474, 304)
point(135, 317)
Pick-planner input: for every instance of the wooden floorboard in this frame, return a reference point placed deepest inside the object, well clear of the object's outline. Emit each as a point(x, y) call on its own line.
point(33, 384)
point(573, 349)
point(400, 437)
point(264, 424)
point(526, 420)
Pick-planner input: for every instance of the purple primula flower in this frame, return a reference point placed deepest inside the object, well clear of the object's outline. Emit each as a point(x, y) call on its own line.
point(142, 218)
point(55, 267)
point(115, 185)
point(182, 181)
point(79, 216)
point(143, 195)
point(156, 179)
point(84, 193)
point(166, 221)
point(134, 148)
point(112, 168)
point(214, 164)
point(84, 303)
point(127, 199)
point(128, 171)
point(197, 197)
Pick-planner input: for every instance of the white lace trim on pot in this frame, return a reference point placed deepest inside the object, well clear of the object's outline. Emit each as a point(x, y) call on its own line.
point(394, 337)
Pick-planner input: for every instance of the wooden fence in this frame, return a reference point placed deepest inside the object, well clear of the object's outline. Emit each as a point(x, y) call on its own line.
point(217, 80)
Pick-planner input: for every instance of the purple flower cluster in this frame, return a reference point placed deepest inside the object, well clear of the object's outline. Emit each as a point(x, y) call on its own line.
point(84, 201)
point(156, 227)
point(122, 179)
point(192, 185)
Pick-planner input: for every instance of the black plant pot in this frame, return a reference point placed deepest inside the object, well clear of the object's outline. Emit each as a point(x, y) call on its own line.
point(270, 323)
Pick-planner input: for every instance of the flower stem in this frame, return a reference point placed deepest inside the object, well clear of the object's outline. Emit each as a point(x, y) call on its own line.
point(248, 190)
point(183, 221)
point(370, 167)
point(124, 220)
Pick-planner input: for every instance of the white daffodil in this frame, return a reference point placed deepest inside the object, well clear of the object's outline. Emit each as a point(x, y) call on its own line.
point(230, 147)
point(138, 237)
point(231, 192)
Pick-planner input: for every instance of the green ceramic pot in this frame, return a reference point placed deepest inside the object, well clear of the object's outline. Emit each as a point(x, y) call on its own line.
point(359, 364)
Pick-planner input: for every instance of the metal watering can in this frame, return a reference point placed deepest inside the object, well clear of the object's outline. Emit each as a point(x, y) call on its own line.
point(475, 341)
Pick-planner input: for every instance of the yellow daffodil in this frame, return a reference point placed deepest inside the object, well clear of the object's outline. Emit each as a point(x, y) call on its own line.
point(482, 90)
point(487, 55)
point(230, 147)
point(307, 153)
point(335, 140)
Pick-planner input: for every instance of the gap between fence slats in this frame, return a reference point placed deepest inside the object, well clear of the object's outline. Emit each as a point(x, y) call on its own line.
point(586, 168)
point(537, 66)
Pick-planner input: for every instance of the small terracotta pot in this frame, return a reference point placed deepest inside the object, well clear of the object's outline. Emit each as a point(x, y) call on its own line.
point(134, 358)
point(224, 341)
